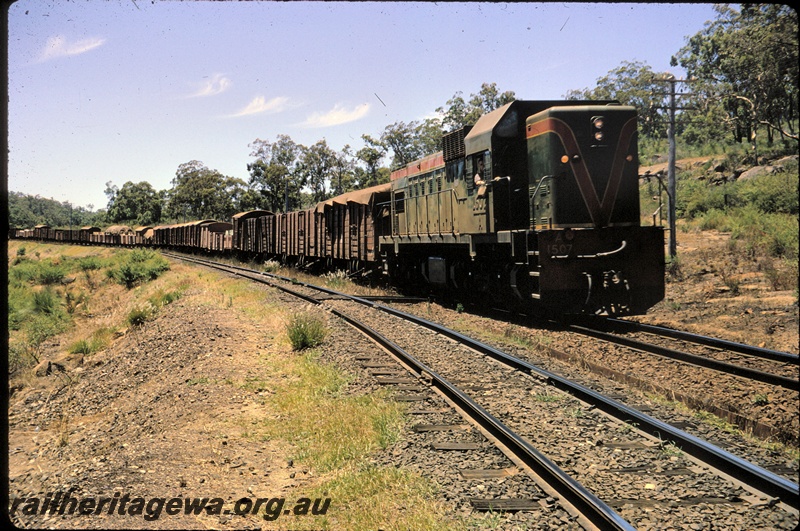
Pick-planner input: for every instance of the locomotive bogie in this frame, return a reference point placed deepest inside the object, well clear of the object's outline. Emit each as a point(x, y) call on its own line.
point(616, 270)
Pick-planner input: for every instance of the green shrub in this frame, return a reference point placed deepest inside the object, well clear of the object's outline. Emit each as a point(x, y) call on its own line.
point(142, 255)
point(137, 267)
point(772, 194)
point(42, 327)
point(19, 305)
point(89, 263)
point(714, 220)
point(162, 298)
point(50, 273)
point(97, 341)
point(45, 301)
point(81, 346)
point(305, 330)
point(138, 316)
point(773, 235)
point(19, 358)
point(271, 266)
point(72, 301)
point(23, 271)
point(46, 273)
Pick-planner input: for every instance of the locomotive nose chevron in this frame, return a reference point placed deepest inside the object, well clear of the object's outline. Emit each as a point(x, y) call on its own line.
point(599, 211)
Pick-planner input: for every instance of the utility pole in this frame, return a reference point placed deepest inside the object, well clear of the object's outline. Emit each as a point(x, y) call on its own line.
point(671, 188)
point(673, 242)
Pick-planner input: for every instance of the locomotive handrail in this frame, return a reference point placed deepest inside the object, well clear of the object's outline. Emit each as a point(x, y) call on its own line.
point(590, 256)
point(609, 253)
point(541, 182)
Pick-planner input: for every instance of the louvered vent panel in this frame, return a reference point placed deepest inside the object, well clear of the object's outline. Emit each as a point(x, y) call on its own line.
point(453, 144)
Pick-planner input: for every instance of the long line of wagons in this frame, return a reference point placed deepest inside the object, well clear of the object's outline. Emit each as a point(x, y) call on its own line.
point(340, 232)
point(535, 206)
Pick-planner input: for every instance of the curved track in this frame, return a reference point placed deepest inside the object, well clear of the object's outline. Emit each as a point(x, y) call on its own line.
point(758, 478)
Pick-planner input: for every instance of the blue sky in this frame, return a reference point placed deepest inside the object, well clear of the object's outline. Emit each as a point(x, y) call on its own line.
point(129, 90)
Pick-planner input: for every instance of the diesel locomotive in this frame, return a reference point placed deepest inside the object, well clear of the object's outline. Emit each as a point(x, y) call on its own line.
point(535, 207)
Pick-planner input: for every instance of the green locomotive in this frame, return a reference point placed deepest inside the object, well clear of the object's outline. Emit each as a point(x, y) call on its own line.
point(536, 206)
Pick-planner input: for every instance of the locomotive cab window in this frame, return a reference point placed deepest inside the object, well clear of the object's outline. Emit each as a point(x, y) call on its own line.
point(479, 170)
point(482, 168)
point(399, 202)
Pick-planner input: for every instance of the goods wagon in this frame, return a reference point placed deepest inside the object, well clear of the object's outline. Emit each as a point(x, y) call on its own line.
point(348, 226)
point(254, 232)
point(216, 237)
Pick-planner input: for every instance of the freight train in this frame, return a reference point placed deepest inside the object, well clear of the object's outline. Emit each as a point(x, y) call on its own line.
point(534, 207)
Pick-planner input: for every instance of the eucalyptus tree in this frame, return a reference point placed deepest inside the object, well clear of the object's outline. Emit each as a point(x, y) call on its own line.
point(273, 173)
point(201, 193)
point(633, 83)
point(136, 203)
point(314, 166)
point(746, 62)
point(457, 112)
point(371, 154)
point(402, 140)
point(343, 171)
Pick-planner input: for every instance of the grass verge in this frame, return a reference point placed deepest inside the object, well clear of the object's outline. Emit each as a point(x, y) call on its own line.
point(307, 406)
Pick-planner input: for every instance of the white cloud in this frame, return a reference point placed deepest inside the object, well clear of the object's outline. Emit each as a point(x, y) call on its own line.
point(337, 116)
point(259, 105)
point(58, 46)
point(216, 85)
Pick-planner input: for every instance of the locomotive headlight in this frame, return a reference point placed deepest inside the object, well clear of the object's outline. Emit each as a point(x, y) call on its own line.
point(598, 122)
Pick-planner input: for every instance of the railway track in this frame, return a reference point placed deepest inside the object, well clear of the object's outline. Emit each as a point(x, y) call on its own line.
point(753, 363)
point(749, 350)
point(760, 384)
point(640, 431)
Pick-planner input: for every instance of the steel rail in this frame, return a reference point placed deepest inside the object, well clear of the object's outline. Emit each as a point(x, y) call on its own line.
point(594, 509)
point(774, 355)
point(763, 480)
point(702, 361)
point(753, 475)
